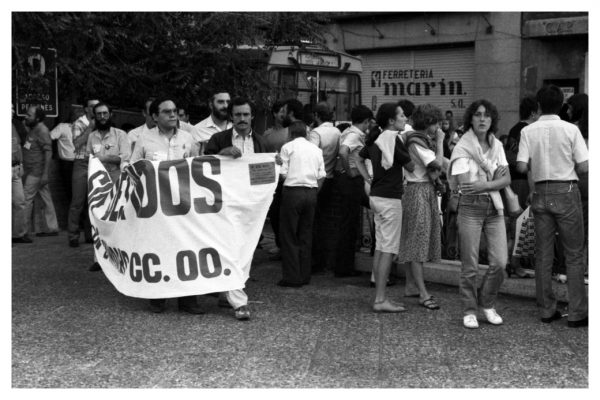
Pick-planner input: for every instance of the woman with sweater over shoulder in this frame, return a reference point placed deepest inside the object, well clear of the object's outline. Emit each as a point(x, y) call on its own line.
point(479, 166)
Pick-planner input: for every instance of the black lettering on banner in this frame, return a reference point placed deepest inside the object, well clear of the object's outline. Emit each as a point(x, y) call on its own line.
point(183, 182)
point(216, 260)
point(192, 263)
point(149, 260)
point(201, 206)
point(135, 273)
point(145, 168)
point(112, 213)
point(97, 196)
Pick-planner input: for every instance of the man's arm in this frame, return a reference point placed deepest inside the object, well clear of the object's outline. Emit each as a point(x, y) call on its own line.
point(582, 168)
point(81, 134)
point(344, 157)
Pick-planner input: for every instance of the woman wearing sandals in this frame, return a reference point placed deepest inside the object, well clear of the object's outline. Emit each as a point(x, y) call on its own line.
point(387, 154)
point(421, 226)
point(479, 166)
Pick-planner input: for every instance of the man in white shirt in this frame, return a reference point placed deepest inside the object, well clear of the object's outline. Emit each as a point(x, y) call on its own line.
point(218, 120)
point(134, 134)
point(303, 171)
point(161, 143)
point(554, 153)
point(66, 151)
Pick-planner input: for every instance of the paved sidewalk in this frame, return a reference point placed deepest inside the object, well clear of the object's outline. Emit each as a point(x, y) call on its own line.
point(71, 328)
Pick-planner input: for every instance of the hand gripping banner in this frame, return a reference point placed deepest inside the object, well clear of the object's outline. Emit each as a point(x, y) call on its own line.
point(180, 228)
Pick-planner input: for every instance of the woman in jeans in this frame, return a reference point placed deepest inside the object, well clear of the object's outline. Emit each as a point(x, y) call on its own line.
point(479, 165)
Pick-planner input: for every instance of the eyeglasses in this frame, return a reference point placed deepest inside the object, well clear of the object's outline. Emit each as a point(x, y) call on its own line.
point(169, 111)
point(482, 115)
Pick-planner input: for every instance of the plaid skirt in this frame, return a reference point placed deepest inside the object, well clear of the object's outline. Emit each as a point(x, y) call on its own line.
point(420, 239)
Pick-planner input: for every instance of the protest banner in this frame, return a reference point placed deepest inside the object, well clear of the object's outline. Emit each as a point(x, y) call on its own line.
point(183, 227)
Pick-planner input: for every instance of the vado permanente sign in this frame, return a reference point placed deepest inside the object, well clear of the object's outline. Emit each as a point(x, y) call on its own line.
point(37, 82)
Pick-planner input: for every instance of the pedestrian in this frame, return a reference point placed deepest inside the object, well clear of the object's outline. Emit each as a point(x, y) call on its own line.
point(420, 240)
point(63, 134)
point(302, 172)
point(274, 138)
point(218, 120)
point(78, 214)
point(477, 214)
point(183, 115)
point(19, 230)
point(240, 139)
point(165, 142)
point(37, 155)
point(555, 154)
point(148, 124)
point(110, 145)
point(386, 188)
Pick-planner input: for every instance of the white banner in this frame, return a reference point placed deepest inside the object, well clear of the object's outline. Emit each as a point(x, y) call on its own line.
point(180, 228)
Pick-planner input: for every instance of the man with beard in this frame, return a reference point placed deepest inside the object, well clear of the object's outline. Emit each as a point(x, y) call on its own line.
point(82, 128)
point(37, 154)
point(236, 142)
point(218, 120)
point(110, 145)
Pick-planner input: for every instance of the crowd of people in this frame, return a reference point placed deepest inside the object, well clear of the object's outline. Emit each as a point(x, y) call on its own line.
point(410, 165)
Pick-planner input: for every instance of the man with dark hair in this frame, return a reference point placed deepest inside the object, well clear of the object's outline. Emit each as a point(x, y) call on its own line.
point(82, 128)
point(166, 142)
point(407, 107)
point(554, 153)
point(294, 111)
point(19, 231)
point(110, 145)
point(327, 138)
point(302, 173)
point(274, 138)
point(236, 142)
point(63, 134)
point(148, 124)
point(218, 120)
point(183, 115)
point(37, 155)
point(351, 186)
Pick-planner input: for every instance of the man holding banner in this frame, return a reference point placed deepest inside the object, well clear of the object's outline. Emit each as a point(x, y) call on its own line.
point(165, 142)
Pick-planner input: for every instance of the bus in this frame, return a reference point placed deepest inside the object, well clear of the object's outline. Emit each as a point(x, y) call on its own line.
point(313, 74)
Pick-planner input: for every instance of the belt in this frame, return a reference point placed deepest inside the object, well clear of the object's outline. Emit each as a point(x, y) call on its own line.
point(415, 183)
point(550, 182)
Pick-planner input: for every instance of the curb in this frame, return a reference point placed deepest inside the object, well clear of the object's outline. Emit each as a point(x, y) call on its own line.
point(447, 272)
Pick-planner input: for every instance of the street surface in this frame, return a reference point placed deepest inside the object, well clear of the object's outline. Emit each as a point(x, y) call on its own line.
point(72, 329)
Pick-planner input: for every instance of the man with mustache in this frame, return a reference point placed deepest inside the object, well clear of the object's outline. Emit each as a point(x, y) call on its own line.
point(236, 142)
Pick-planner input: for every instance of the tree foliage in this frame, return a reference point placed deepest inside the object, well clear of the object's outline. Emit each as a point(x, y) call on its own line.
point(125, 57)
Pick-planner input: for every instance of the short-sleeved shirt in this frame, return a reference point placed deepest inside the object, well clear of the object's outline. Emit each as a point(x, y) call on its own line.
point(354, 139)
point(275, 138)
point(303, 163)
point(113, 143)
point(554, 147)
point(422, 157)
point(155, 146)
point(207, 127)
point(64, 134)
point(386, 183)
point(134, 134)
point(36, 144)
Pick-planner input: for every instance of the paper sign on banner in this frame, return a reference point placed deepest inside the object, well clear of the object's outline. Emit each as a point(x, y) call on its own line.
point(180, 228)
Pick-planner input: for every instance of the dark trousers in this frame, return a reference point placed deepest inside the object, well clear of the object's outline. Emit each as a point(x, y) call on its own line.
point(323, 256)
point(78, 207)
point(351, 190)
point(66, 174)
point(296, 215)
point(274, 212)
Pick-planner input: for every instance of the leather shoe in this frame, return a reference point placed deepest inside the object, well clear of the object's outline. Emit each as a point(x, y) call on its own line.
point(157, 305)
point(578, 324)
point(242, 313)
point(288, 284)
point(95, 267)
point(22, 239)
point(553, 317)
point(74, 243)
